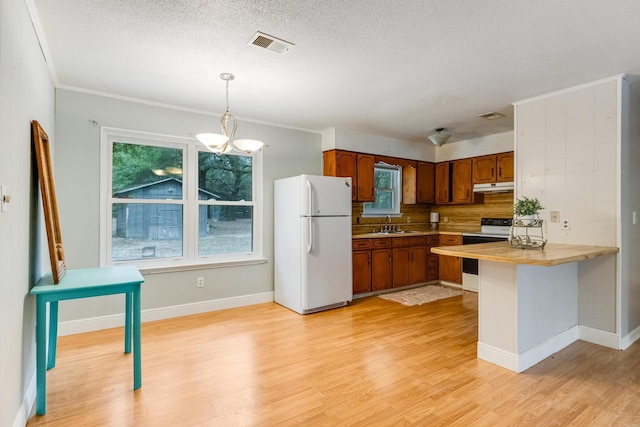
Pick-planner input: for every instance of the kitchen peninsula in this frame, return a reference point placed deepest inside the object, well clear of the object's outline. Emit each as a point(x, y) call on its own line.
point(527, 299)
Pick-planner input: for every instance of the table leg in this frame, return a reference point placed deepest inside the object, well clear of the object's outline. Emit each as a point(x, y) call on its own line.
point(137, 354)
point(41, 368)
point(127, 322)
point(53, 334)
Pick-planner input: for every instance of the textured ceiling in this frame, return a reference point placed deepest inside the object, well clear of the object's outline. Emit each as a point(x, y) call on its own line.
point(386, 67)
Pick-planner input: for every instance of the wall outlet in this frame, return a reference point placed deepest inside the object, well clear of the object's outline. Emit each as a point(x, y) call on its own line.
point(565, 224)
point(200, 282)
point(555, 216)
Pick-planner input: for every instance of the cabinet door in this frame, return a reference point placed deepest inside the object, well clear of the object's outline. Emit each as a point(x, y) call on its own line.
point(342, 163)
point(450, 267)
point(409, 185)
point(425, 183)
point(418, 264)
point(504, 163)
point(484, 169)
point(381, 269)
point(361, 272)
point(442, 183)
point(365, 172)
point(401, 265)
point(461, 184)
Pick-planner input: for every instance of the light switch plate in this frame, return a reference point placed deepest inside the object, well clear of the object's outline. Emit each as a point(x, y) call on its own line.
point(555, 216)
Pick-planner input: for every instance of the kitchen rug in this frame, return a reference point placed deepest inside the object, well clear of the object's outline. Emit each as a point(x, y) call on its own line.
point(423, 295)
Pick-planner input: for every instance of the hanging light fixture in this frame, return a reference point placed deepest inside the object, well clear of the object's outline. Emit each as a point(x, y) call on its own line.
point(224, 143)
point(439, 138)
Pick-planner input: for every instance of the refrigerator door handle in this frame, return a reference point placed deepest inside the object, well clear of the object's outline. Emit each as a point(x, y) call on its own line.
point(310, 246)
point(310, 197)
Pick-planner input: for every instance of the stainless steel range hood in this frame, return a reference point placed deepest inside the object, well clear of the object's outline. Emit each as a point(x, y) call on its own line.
point(495, 187)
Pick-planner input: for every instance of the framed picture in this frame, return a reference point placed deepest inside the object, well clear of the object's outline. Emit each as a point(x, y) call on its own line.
point(49, 203)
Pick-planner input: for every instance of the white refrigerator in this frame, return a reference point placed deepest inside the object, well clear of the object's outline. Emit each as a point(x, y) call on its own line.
point(312, 245)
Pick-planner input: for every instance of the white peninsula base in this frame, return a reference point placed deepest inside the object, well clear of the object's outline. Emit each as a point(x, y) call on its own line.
point(525, 312)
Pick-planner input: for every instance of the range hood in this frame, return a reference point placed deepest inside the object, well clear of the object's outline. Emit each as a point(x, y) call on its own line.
point(495, 187)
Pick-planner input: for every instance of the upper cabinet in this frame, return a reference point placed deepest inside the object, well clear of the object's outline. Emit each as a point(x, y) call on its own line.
point(453, 183)
point(425, 183)
point(355, 165)
point(493, 168)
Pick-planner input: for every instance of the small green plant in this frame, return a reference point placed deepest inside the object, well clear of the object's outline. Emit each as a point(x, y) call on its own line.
point(527, 206)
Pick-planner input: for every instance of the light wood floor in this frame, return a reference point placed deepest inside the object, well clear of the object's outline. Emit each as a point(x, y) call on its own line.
point(374, 363)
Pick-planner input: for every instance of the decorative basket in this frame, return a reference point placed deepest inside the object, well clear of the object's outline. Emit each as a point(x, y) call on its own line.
point(527, 233)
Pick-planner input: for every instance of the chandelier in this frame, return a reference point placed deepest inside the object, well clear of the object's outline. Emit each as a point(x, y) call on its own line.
point(224, 143)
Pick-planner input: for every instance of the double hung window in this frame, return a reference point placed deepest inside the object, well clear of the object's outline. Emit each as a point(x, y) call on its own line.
point(388, 191)
point(170, 203)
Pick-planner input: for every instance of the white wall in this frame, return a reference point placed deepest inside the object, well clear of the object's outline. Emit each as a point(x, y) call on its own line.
point(630, 202)
point(343, 139)
point(490, 144)
point(567, 148)
point(27, 93)
point(78, 119)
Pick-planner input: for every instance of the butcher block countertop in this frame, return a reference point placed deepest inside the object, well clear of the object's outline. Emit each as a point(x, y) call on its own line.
point(552, 254)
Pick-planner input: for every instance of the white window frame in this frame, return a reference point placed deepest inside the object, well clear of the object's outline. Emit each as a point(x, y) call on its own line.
point(396, 188)
point(190, 259)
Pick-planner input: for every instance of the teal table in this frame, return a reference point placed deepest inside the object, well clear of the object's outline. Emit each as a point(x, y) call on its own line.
point(91, 282)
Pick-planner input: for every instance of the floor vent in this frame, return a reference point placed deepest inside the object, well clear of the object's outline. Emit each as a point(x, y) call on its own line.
point(271, 43)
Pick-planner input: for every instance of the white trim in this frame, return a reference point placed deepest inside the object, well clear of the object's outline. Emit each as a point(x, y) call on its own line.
point(523, 361)
point(174, 107)
point(117, 320)
point(570, 89)
point(600, 337)
point(28, 401)
point(190, 259)
point(202, 266)
point(629, 339)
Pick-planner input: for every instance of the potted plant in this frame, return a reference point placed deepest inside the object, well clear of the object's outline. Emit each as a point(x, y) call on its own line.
point(526, 210)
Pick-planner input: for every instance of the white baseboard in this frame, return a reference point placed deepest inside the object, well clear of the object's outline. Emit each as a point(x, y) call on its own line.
point(629, 339)
point(116, 320)
point(28, 402)
point(596, 336)
point(523, 361)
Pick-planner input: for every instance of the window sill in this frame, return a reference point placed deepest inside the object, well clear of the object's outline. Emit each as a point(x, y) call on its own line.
point(380, 215)
point(199, 266)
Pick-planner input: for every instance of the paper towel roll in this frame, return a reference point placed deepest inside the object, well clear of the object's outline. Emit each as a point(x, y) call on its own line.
point(434, 217)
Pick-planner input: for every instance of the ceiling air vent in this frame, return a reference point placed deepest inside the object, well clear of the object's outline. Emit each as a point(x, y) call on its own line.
point(271, 43)
point(491, 115)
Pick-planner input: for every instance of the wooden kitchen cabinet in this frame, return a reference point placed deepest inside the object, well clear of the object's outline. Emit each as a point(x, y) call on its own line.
point(381, 273)
point(442, 178)
point(409, 184)
point(450, 267)
point(504, 163)
point(409, 260)
point(493, 168)
point(425, 183)
point(371, 265)
point(453, 182)
point(432, 259)
point(462, 188)
point(361, 266)
point(359, 167)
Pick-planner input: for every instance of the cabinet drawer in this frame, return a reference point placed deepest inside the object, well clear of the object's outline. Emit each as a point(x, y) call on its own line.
point(380, 243)
point(432, 240)
point(361, 244)
point(450, 240)
point(400, 242)
point(432, 274)
point(432, 261)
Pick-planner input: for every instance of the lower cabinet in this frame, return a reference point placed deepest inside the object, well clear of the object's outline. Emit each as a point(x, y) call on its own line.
point(432, 259)
point(450, 267)
point(409, 260)
point(371, 265)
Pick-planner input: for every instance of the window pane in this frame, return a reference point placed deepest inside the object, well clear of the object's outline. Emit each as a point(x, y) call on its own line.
point(224, 177)
point(225, 229)
point(144, 231)
point(146, 172)
point(384, 178)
